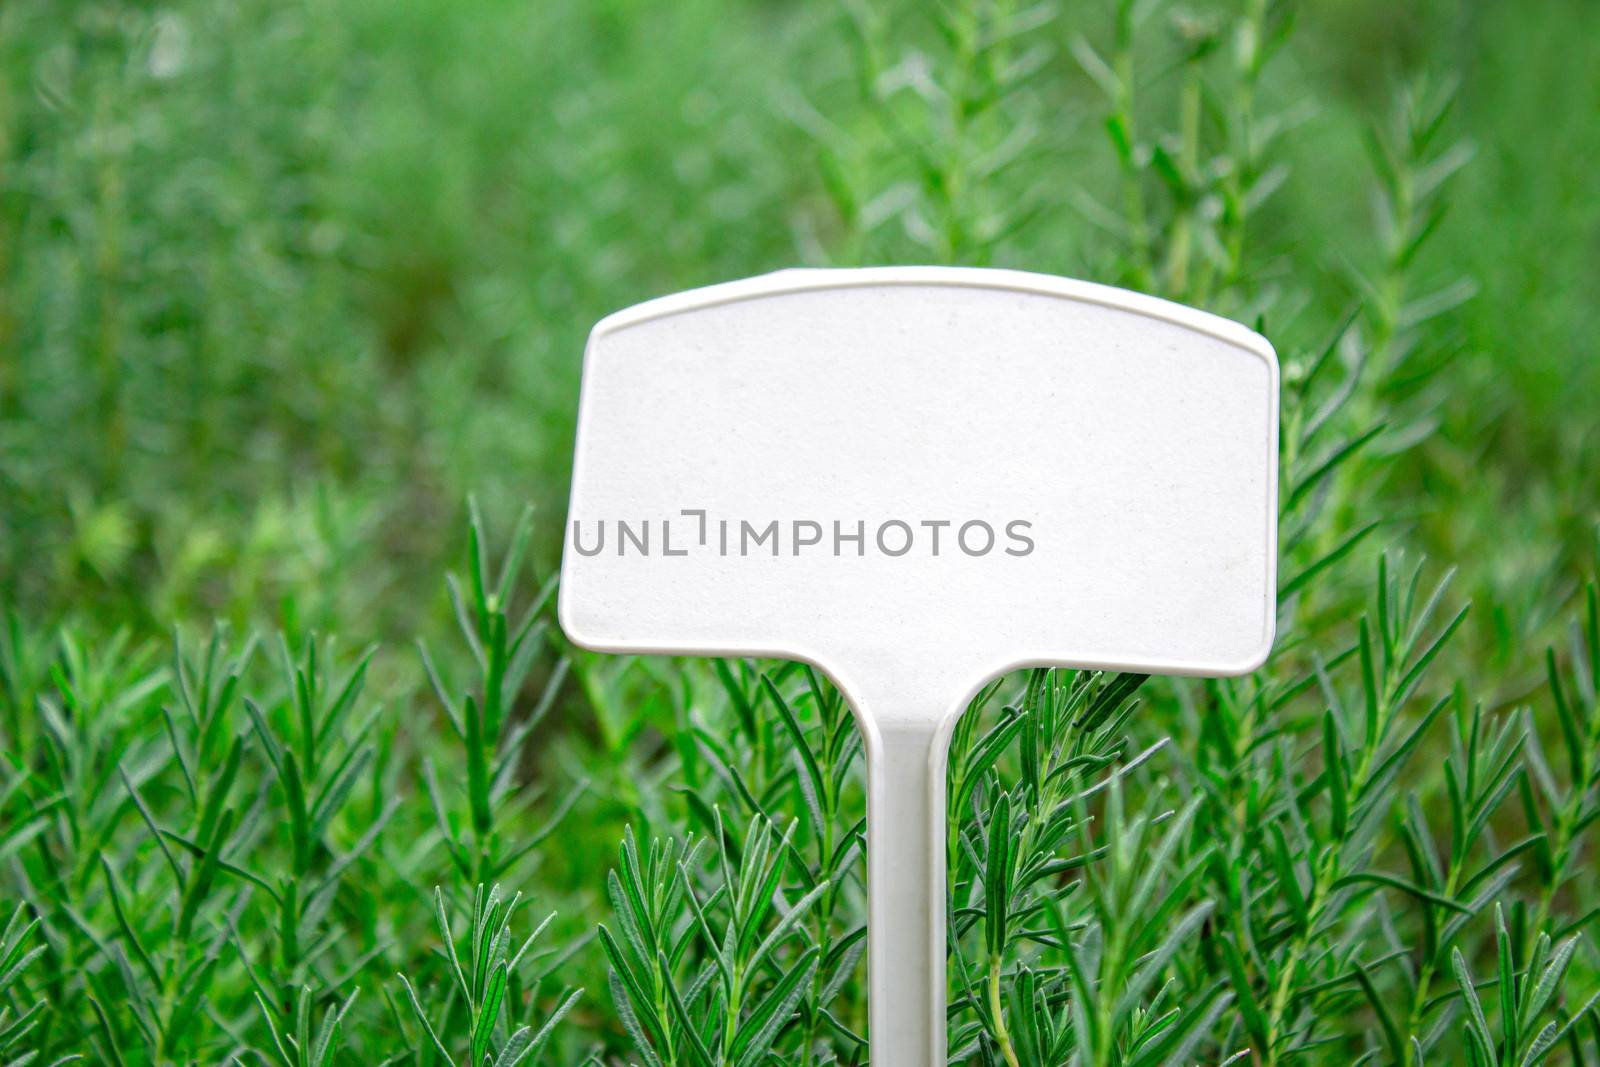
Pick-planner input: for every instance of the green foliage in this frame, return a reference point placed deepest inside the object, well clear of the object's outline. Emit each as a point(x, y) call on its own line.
point(489, 986)
point(282, 285)
point(744, 947)
point(297, 1048)
point(749, 988)
point(19, 1012)
point(1525, 997)
point(220, 855)
point(504, 652)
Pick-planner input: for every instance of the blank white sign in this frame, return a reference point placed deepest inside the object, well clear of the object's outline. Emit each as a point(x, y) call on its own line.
point(918, 478)
point(925, 469)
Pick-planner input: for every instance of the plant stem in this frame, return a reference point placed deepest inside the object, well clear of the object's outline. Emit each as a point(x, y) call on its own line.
point(1181, 248)
point(1132, 190)
point(1328, 869)
point(1002, 1035)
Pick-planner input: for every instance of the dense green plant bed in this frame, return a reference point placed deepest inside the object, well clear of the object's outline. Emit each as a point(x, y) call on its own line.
point(285, 284)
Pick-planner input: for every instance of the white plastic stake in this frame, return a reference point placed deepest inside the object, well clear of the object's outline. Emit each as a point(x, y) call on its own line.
point(917, 479)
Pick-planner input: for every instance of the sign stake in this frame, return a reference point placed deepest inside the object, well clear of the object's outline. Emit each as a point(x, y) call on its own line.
point(918, 479)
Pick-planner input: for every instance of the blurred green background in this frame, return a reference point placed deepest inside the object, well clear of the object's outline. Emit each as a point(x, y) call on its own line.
point(282, 282)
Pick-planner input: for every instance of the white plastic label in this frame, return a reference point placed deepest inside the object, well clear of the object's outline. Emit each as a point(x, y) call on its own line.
point(917, 479)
